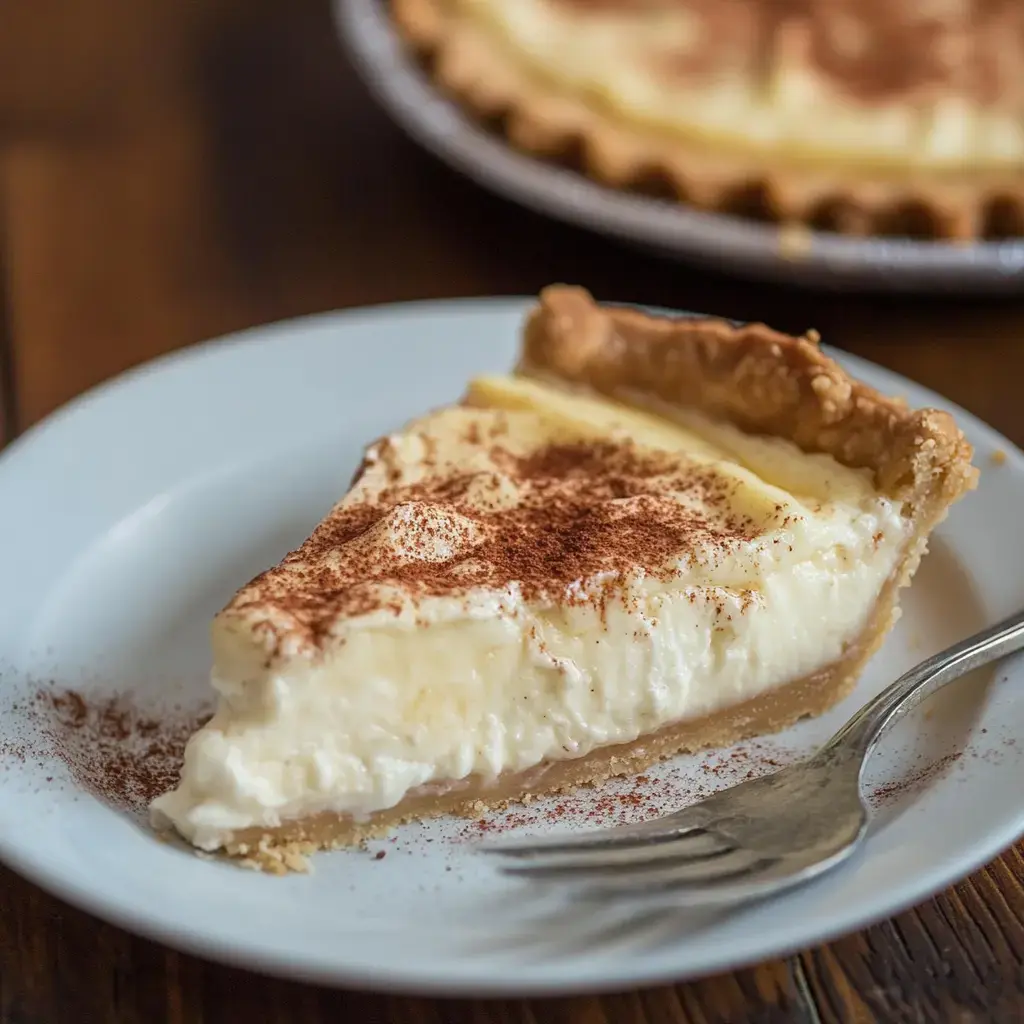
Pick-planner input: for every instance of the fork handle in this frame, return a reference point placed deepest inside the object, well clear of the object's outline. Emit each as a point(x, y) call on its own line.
point(858, 737)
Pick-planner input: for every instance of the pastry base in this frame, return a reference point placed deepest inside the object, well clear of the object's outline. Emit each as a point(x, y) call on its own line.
point(827, 195)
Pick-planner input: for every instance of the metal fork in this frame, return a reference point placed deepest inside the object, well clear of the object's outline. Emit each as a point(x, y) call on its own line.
point(759, 837)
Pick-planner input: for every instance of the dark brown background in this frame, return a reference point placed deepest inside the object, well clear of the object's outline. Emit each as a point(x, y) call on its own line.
point(173, 171)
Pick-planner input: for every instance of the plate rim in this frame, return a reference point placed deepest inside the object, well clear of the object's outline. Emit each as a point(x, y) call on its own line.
point(278, 962)
point(723, 242)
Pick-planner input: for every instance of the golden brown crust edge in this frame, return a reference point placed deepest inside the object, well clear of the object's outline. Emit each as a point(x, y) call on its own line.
point(545, 123)
point(756, 378)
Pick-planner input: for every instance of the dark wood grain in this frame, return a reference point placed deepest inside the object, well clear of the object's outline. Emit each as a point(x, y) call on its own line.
point(959, 957)
point(171, 172)
point(58, 964)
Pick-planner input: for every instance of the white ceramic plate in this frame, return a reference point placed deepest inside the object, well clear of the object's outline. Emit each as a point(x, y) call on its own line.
point(131, 515)
point(732, 244)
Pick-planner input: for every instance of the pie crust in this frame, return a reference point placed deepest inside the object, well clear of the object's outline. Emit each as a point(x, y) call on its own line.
point(756, 378)
point(551, 122)
point(763, 382)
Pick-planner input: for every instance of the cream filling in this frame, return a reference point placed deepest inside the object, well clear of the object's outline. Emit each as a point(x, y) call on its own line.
point(491, 682)
point(611, 59)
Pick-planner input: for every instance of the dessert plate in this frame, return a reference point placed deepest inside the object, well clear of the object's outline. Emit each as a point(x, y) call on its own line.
point(732, 244)
point(133, 514)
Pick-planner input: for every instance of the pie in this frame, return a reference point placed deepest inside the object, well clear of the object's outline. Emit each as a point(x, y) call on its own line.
point(656, 535)
point(861, 116)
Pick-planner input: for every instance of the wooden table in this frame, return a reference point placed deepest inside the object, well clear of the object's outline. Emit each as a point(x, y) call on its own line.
point(171, 172)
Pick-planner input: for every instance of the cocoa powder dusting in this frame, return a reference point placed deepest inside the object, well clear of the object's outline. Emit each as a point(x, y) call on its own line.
point(915, 780)
point(626, 800)
point(871, 50)
point(673, 785)
point(111, 746)
point(550, 523)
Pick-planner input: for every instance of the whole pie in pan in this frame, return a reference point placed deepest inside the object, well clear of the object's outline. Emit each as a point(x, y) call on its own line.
point(900, 117)
point(655, 535)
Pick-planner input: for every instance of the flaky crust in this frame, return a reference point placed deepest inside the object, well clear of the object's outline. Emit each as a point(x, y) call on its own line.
point(551, 123)
point(756, 378)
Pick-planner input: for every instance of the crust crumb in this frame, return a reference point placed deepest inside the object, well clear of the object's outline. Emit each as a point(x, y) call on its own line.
point(275, 858)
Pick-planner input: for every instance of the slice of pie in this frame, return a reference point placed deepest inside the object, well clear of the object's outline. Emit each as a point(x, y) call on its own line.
point(896, 118)
point(656, 535)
